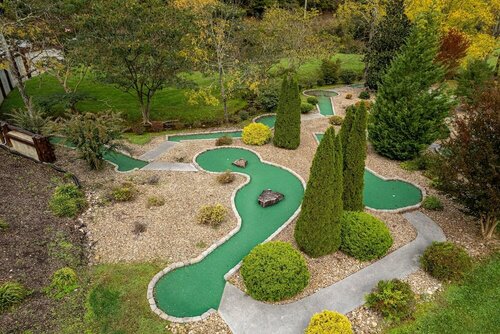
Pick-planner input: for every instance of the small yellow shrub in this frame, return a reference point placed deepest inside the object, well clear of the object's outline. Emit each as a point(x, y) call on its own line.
point(212, 215)
point(226, 177)
point(329, 322)
point(256, 134)
point(155, 201)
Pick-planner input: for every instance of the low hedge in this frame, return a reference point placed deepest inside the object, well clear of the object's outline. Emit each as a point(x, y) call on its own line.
point(256, 134)
point(446, 261)
point(274, 271)
point(364, 237)
point(329, 322)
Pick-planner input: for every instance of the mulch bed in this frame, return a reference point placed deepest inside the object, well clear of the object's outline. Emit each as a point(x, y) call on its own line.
point(28, 249)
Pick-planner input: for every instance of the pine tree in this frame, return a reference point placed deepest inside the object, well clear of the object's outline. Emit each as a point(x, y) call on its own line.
point(287, 126)
point(346, 127)
point(317, 231)
point(411, 105)
point(389, 37)
point(354, 160)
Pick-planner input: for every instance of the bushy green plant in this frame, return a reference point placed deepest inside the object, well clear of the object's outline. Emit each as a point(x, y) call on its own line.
point(226, 177)
point(243, 115)
point(329, 322)
point(256, 134)
point(287, 126)
point(67, 201)
point(92, 134)
point(64, 281)
point(364, 95)
point(3, 224)
point(224, 140)
point(421, 162)
point(330, 71)
point(317, 231)
point(155, 201)
point(393, 299)
point(348, 76)
point(312, 100)
point(446, 261)
point(306, 107)
point(472, 80)
point(212, 215)
point(268, 98)
point(336, 120)
point(11, 293)
point(274, 271)
point(124, 193)
point(34, 121)
point(364, 237)
point(432, 203)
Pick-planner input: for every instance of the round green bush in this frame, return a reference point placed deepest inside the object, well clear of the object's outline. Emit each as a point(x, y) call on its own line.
point(446, 261)
point(306, 107)
point(256, 134)
point(11, 293)
point(274, 271)
point(329, 322)
point(393, 299)
point(432, 203)
point(67, 201)
point(64, 281)
point(364, 95)
point(364, 237)
point(312, 100)
point(348, 76)
point(336, 120)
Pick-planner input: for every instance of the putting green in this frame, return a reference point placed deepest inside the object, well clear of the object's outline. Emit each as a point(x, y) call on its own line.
point(268, 120)
point(324, 101)
point(192, 290)
point(123, 163)
point(387, 194)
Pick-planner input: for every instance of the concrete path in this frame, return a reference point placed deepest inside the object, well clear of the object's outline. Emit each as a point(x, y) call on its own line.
point(159, 150)
point(246, 315)
point(170, 166)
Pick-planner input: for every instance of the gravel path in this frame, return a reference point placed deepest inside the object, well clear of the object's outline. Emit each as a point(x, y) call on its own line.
point(245, 315)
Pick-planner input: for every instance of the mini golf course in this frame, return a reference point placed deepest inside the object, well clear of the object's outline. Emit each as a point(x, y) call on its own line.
point(123, 162)
point(192, 290)
point(383, 194)
point(324, 101)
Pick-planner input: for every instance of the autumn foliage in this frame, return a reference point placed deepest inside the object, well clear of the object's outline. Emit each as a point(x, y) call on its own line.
point(453, 48)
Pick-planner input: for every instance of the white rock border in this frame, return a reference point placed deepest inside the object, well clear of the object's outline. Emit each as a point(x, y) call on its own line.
point(400, 210)
point(154, 280)
point(198, 133)
point(331, 98)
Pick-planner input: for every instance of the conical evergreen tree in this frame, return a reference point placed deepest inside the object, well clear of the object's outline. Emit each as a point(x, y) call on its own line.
point(354, 161)
point(287, 126)
point(346, 127)
point(389, 37)
point(410, 109)
point(317, 231)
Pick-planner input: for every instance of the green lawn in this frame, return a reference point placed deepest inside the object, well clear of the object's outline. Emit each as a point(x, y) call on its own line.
point(170, 103)
point(470, 307)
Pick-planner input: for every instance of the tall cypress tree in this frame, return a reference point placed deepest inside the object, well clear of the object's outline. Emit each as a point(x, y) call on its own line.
point(354, 161)
point(346, 127)
point(317, 231)
point(389, 37)
point(287, 126)
point(411, 105)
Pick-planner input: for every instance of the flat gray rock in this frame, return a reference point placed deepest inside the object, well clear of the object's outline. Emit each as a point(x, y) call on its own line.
point(171, 166)
point(157, 151)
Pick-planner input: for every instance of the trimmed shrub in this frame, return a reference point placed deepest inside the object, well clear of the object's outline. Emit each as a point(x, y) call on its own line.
point(336, 120)
point(364, 95)
point(67, 201)
point(317, 231)
point(64, 281)
point(348, 96)
point(11, 293)
point(432, 203)
point(256, 134)
point(125, 193)
point(312, 100)
point(224, 140)
point(393, 299)
point(348, 76)
point(364, 237)
point(155, 201)
point(226, 177)
point(446, 261)
point(287, 126)
point(330, 71)
point(274, 271)
point(212, 215)
point(306, 107)
point(329, 322)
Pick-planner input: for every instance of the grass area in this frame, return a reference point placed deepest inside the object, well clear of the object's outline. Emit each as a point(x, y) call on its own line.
point(116, 302)
point(470, 307)
point(169, 103)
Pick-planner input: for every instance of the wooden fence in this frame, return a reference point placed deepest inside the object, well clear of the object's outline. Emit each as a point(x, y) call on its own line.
point(27, 143)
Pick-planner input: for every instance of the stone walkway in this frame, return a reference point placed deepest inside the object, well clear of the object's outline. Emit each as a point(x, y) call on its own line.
point(170, 166)
point(246, 315)
point(158, 151)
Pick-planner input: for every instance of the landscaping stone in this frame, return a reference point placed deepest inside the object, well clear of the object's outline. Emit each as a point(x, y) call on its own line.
point(242, 163)
point(269, 197)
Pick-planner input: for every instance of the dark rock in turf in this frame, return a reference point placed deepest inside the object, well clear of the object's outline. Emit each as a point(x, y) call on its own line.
point(269, 197)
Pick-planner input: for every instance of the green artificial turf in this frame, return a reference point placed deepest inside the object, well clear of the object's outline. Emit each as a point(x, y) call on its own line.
point(324, 101)
point(387, 195)
point(192, 290)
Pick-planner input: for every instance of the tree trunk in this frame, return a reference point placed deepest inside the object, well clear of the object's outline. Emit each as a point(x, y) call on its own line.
point(223, 92)
point(16, 73)
point(488, 226)
point(145, 109)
